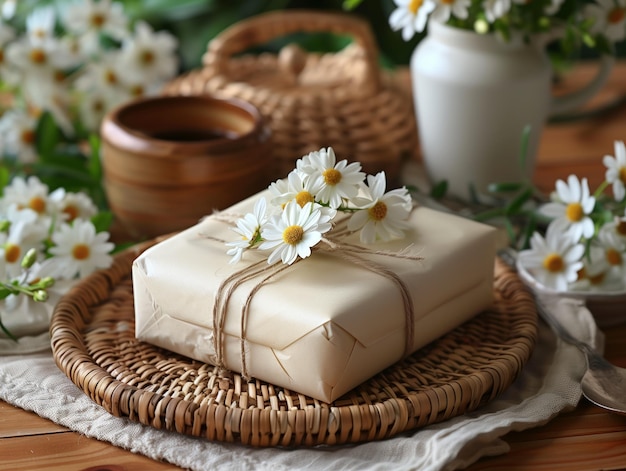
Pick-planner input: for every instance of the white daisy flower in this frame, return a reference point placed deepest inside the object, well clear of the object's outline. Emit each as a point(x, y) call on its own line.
point(410, 16)
point(79, 250)
point(609, 18)
point(71, 206)
point(23, 234)
point(17, 129)
point(30, 193)
point(447, 8)
point(616, 170)
point(572, 210)
point(595, 275)
point(495, 9)
point(385, 214)
point(614, 250)
point(89, 19)
point(302, 190)
point(336, 181)
point(249, 228)
point(293, 232)
point(40, 24)
point(553, 261)
point(618, 227)
point(149, 56)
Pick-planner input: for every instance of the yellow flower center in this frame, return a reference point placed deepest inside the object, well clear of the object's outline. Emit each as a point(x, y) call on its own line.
point(71, 211)
point(415, 5)
point(37, 204)
point(553, 263)
point(622, 175)
point(613, 257)
point(28, 136)
point(378, 211)
point(146, 57)
point(293, 234)
point(136, 90)
point(81, 252)
point(110, 77)
point(304, 197)
point(97, 20)
point(38, 56)
point(97, 106)
point(616, 15)
point(574, 212)
point(597, 279)
point(621, 228)
point(331, 176)
point(12, 253)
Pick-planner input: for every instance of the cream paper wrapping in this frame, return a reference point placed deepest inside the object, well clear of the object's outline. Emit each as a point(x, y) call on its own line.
point(324, 325)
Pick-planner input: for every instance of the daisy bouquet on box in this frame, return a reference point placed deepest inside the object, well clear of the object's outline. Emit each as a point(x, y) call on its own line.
point(48, 240)
point(305, 207)
point(62, 67)
point(584, 246)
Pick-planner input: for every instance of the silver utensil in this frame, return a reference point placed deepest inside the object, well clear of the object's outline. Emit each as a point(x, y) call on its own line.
point(603, 383)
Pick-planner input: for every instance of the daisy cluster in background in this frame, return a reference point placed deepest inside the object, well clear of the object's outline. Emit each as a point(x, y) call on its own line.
point(61, 69)
point(584, 247)
point(48, 240)
point(305, 207)
point(597, 23)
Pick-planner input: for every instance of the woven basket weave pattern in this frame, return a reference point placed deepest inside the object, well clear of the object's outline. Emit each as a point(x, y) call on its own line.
point(342, 99)
point(93, 343)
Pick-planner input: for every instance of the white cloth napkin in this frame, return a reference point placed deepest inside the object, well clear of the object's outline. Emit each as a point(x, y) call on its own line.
point(548, 385)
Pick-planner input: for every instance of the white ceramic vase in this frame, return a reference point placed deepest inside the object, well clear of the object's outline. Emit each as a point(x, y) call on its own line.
point(474, 95)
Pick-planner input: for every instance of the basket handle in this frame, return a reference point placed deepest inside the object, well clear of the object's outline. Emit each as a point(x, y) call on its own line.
point(262, 28)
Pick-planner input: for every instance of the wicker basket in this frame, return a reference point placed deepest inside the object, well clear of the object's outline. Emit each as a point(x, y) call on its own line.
point(94, 344)
point(341, 99)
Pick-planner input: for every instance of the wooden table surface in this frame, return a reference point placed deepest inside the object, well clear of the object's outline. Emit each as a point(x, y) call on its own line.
point(584, 439)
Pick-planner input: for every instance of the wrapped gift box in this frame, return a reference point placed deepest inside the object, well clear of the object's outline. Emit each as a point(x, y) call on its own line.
point(322, 325)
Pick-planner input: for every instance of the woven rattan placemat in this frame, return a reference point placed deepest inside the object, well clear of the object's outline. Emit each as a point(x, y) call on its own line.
point(93, 342)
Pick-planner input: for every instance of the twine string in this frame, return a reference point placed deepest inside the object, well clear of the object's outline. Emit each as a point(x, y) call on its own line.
point(352, 253)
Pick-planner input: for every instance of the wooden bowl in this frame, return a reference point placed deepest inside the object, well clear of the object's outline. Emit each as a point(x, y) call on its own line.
point(169, 161)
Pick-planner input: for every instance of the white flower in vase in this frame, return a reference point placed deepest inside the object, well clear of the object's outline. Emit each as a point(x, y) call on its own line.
point(609, 18)
point(596, 274)
point(293, 232)
point(614, 249)
point(571, 211)
point(555, 260)
point(495, 9)
point(445, 9)
point(411, 16)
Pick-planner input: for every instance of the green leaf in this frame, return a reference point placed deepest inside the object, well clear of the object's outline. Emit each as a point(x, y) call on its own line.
point(351, 4)
point(47, 136)
point(4, 178)
point(94, 165)
point(102, 221)
point(523, 155)
point(439, 190)
point(516, 203)
point(505, 187)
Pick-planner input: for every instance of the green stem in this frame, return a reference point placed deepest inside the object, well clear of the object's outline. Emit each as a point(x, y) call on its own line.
point(600, 189)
